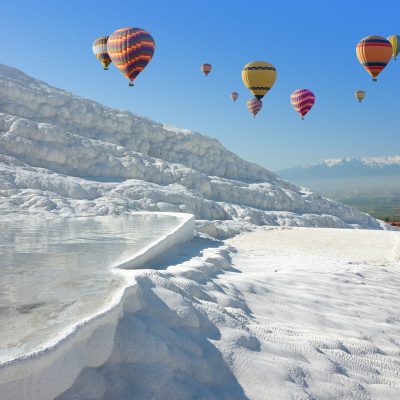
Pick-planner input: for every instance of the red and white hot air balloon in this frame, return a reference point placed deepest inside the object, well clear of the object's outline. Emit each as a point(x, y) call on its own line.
point(206, 68)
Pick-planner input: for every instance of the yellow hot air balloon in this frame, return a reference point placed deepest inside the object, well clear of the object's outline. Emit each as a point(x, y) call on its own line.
point(360, 94)
point(259, 77)
point(395, 42)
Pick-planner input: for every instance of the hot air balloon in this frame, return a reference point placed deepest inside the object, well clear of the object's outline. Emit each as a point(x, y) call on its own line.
point(234, 96)
point(374, 52)
point(302, 100)
point(206, 69)
point(395, 42)
point(99, 48)
point(254, 106)
point(360, 94)
point(259, 77)
point(130, 49)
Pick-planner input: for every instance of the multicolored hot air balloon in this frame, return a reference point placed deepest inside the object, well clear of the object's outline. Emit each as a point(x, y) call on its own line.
point(234, 96)
point(373, 53)
point(302, 100)
point(99, 48)
point(395, 42)
point(259, 77)
point(360, 94)
point(206, 69)
point(254, 106)
point(130, 49)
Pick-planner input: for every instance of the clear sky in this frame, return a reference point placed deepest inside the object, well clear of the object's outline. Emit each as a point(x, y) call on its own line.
point(310, 42)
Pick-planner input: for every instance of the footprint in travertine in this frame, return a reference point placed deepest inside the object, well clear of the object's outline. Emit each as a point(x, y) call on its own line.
point(28, 308)
point(298, 376)
point(248, 342)
point(392, 320)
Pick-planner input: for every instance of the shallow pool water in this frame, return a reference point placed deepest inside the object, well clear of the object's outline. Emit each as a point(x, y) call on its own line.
point(55, 272)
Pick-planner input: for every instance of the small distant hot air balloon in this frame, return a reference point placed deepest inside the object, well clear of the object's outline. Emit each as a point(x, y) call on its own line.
point(99, 48)
point(234, 96)
point(373, 53)
point(130, 49)
point(302, 100)
point(259, 77)
point(254, 106)
point(206, 69)
point(360, 94)
point(395, 42)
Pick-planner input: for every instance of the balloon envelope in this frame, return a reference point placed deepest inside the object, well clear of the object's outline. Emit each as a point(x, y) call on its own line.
point(259, 77)
point(373, 53)
point(302, 100)
point(234, 96)
point(359, 94)
point(395, 42)
point(99, 48)
point(206, 69)
point(131, 49)
point(254, 106)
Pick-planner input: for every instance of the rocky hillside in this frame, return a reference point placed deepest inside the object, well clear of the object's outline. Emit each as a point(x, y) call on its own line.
point(64, 155)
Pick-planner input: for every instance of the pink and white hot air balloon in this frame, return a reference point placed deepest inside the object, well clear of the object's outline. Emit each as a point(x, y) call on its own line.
point(254, 106)
point(302, 100)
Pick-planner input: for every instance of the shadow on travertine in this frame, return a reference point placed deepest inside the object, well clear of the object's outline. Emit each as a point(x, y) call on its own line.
point(164, 342)
point(182, 252)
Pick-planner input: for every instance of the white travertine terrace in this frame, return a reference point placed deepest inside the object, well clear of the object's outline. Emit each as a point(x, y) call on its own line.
point(62, 154)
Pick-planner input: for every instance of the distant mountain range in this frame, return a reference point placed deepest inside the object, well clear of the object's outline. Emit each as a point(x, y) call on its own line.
point(345, 168)
point(350, 175)
point(372, 184)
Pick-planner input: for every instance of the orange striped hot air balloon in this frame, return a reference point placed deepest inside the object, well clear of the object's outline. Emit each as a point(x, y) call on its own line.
point(373, 53)
point(254, 106)
point(302, 100)
point(234, 96)
point(130, 49)
point(206, 68)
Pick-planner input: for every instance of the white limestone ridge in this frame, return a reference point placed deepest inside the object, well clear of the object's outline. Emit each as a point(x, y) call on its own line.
point(61, 154)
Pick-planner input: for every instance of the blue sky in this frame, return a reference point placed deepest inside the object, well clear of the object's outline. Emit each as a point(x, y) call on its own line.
point(311, 43)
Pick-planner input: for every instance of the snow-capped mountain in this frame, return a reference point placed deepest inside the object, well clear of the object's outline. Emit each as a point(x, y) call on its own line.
point(61, 154)
point(346, 167)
